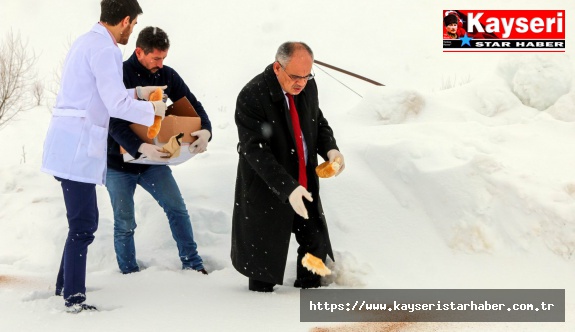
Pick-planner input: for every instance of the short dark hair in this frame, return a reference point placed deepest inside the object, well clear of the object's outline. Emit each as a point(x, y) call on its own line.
point(151, 38)
point(286, 50)
point(114, 11)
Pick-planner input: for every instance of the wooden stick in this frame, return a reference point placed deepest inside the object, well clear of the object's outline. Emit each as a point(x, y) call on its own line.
point(348, 73)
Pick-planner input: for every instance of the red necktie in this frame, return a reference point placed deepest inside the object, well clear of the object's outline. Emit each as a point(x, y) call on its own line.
point(298, 141)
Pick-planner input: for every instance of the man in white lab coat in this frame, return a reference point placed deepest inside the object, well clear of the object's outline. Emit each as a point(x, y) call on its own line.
point(91, 91)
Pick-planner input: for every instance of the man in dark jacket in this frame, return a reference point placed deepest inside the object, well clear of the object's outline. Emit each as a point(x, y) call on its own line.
point(276, 167)
point(145, 68)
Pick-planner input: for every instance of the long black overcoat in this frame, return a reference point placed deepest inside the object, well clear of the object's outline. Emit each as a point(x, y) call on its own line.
point(268, 172)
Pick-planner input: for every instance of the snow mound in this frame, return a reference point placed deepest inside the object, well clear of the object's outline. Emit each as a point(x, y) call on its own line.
point(537, 80)
point(564, 108)
point(392, 105)
point(495, 97)
point(480, 188)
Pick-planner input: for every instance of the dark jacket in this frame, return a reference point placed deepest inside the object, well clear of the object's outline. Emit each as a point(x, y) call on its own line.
point(120, 133)
point(268, 171)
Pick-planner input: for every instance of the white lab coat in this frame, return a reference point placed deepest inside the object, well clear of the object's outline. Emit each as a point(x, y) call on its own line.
point(91, 91)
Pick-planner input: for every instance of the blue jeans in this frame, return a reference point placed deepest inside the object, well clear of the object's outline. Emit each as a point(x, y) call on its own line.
point(159, 182)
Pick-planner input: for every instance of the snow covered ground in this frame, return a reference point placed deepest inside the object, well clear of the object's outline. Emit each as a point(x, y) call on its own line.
point(467, 187)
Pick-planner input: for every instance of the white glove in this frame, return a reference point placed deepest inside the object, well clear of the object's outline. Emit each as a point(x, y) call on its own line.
point(159, 108)
point(296, 201)
point(143, 92)
point(153, 152)
point(335, 156)
point(201, 144)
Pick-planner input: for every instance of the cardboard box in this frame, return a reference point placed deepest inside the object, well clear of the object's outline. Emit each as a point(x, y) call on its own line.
point(181, 117)
point(185, 155)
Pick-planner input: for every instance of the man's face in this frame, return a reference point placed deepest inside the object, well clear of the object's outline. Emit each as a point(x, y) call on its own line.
point(153, 61)
point(127, 31)
point(292, 76)
point(452, 28)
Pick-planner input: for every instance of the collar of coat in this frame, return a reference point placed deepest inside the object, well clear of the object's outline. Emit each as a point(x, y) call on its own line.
point(101, 29)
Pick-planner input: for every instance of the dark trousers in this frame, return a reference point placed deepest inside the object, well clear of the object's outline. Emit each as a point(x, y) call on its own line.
point(82, 214)
point(311, 236)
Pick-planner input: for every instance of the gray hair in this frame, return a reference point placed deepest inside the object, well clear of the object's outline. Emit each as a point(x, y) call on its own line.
point(286, 50)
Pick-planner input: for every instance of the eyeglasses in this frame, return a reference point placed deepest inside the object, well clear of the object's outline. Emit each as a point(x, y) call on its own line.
point(297, 78)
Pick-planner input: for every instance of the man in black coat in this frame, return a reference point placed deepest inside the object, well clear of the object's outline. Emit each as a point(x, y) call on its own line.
point(145, 69)
point(277, 190)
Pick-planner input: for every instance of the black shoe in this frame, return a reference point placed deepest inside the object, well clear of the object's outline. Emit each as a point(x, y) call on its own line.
point(202, 270)
point(261, 286)
point(79, 307)
point(59, 291)
point(130, 272)
point(307, 283)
